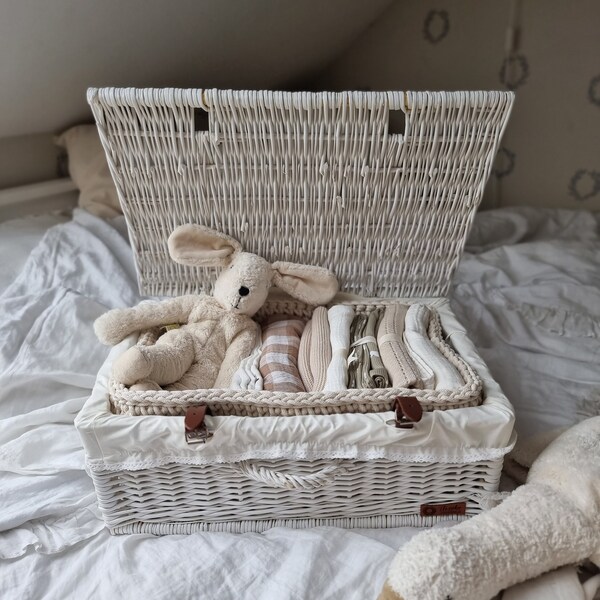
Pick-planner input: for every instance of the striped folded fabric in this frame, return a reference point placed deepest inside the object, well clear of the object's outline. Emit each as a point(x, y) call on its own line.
point(278, 363)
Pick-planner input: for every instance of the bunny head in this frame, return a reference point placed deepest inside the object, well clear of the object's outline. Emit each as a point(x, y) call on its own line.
point(244, 283)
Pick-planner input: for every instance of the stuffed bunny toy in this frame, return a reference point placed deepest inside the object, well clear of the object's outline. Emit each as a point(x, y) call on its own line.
point(551, 521)
point(217, 331)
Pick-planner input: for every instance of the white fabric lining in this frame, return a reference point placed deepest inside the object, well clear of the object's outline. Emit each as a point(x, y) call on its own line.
point(444, 436)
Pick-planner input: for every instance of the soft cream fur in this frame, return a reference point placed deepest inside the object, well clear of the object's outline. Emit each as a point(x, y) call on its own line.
point(551, 521)
point(216, 332)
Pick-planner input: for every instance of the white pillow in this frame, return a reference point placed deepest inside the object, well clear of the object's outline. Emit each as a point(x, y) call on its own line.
point(89, 170)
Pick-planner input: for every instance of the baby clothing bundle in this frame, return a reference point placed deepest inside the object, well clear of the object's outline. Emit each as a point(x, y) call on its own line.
point(338, 349)
point(278, 362)
point(315, 351)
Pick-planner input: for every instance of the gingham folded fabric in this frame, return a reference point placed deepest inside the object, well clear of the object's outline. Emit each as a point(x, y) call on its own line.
point(279, 356)
point(401, 368)
point(247, 376)
point(422, 349)
point(340, 318)
point(315, 351)
point(365, 369)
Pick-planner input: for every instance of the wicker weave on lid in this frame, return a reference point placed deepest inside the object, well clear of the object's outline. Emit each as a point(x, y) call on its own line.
point(305, 177)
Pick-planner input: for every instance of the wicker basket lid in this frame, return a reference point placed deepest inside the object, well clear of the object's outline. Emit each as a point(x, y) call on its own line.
point(317, 178)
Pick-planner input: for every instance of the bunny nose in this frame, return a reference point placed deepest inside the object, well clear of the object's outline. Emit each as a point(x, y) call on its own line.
point(244, 291)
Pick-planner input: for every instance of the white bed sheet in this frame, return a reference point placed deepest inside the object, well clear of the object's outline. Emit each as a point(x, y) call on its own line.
point(18, 237)
point(529, 297)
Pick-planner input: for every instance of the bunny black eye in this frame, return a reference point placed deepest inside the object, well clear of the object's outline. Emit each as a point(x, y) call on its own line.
point(244, 291)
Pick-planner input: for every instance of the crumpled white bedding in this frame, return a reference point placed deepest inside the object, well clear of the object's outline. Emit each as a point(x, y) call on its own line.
point(18, 237)
point(528, 291)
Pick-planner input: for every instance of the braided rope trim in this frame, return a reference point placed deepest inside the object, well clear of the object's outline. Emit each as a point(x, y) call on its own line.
point(226, 402)
point(290, 481)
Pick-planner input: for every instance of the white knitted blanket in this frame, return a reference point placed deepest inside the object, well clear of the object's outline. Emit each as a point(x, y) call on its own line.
point(430, 361)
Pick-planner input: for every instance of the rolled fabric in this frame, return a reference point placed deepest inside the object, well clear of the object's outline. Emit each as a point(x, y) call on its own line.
point(378, 372)
point(247, 376)
point(358, 358)
point(365, 369)
point(315, 351)
point(401, 368)
point(304, 366)
point(320, 355)
point(278, 363)
point(425, 353)
point(340, 318)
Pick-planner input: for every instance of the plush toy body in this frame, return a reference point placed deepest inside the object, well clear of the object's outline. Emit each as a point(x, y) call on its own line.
point(216, 332)
point(551, 521)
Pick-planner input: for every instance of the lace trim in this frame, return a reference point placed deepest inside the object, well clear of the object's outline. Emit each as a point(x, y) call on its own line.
point(465, 456)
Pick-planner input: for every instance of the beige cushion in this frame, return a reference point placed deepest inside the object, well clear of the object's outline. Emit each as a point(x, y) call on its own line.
point(89, 170)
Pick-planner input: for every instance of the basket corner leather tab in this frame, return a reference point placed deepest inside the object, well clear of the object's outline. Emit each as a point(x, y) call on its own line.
point(304, 177)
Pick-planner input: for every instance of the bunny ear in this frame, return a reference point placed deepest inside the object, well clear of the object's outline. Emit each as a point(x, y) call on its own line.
point(313, 285)
point(199, 246)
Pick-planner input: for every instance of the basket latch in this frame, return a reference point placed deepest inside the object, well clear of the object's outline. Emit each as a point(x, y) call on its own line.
point(408, 412)
point(196, 431)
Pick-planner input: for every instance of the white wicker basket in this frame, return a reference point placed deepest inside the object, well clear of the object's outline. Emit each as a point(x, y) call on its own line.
point(347, 470)
point(315, 178)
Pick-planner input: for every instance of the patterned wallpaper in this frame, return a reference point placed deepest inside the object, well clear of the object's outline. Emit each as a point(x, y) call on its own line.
point(547, 51)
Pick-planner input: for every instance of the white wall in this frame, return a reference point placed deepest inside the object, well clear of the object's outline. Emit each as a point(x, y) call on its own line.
point(52, 50)
point(551, 150)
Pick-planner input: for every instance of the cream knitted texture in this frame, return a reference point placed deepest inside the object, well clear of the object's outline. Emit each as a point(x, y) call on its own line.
point(304, 366)
point(402, 370)
point(422, 349)
point(552, 520)
point(320, 354)
point(340, 317)
point(314, 355)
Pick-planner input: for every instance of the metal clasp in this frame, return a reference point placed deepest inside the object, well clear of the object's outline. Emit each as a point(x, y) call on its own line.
point(196, 431)
point(408, 412)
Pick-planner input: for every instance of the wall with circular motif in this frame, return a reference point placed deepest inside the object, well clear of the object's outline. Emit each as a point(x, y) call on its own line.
point(547, 52)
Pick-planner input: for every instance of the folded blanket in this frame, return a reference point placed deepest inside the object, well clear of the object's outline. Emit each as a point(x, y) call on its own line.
point(247, 376)
point(425, 353)
point(279, 356)
point(395, 357)
point(304, 368)
point(315, 351)
point(365, 368)
point(340, 317)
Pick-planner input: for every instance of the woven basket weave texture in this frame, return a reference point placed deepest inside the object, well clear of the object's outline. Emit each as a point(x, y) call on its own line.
point(305, 177)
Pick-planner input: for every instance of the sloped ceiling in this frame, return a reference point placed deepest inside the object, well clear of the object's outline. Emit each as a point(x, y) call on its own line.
point(51, 51)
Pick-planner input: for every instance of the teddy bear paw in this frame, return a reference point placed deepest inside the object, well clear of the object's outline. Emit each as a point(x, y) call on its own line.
point(110, 328)
point(132, 366)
